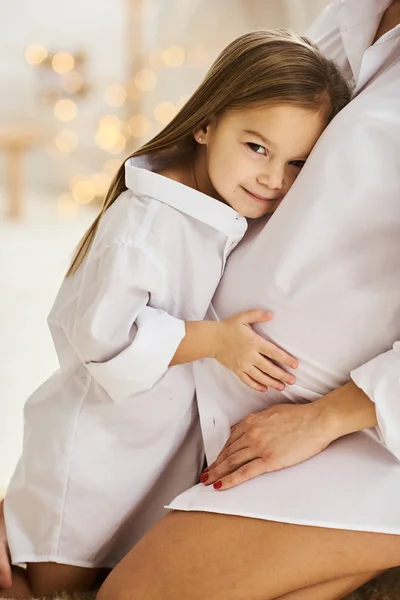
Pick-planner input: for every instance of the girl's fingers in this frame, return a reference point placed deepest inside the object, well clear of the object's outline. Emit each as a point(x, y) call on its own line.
point(252, 383)
point(276, 354)
point(274, 371)
point(267, 381)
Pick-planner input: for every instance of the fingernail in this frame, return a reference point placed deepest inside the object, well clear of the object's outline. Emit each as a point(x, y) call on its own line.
point(281, 388)
point(217, 485)
point(292, 380)
point(203, 477)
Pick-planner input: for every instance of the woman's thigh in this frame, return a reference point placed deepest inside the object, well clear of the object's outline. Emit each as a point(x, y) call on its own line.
point(331, 590)
point(201, 555)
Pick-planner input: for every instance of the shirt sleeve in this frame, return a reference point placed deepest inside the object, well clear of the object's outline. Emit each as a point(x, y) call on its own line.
point(380, 380)
point(124, 343)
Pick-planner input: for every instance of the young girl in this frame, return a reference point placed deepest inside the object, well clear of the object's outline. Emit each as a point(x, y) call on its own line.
point(113, 436)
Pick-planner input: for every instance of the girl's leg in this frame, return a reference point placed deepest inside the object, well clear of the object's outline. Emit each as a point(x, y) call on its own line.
point(5, 569)
point(331, 590)
point(222, 557)
point(46, 579)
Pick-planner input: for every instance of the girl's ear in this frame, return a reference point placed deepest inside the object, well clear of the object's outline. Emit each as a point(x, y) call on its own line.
point(202, 134)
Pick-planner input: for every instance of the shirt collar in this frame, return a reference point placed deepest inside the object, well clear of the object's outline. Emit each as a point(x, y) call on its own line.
point(142, 180)
point(358, 23)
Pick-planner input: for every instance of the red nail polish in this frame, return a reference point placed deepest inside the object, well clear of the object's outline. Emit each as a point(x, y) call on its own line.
point(203, 477)
point(217, 485)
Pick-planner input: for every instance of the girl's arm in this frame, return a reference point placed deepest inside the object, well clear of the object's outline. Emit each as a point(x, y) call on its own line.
point(235, 344)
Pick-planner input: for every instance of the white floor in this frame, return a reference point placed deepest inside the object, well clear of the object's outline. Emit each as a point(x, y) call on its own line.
point(34, 255)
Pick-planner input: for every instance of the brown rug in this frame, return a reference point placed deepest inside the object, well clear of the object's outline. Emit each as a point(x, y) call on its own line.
point(385, 587)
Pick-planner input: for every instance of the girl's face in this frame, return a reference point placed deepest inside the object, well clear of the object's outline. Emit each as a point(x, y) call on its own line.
point(250, 158)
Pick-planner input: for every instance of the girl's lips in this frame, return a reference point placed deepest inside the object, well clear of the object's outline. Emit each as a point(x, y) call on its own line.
point(257, 197)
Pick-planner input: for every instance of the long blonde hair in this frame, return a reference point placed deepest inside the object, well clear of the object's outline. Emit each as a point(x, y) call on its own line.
point(268, 66)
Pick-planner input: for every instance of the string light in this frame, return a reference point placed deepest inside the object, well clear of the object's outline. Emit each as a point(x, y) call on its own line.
point(101, 182)
point(115, 95)
point(165, 112)
point(66, 141)
point(65, 110)
point(139, 126)
point(62, 62)
point(84, 191)
point(174, 56)
point(146, 80)
point(35, 54)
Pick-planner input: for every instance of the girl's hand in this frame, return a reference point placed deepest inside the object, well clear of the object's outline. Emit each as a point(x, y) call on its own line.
point(273, 439)
point(251, 357)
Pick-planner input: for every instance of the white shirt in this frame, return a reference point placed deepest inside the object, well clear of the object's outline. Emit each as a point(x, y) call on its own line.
point(114, 434)
point(327, 264)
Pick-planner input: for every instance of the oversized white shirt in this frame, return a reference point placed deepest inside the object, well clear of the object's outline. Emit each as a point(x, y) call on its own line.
point(327, 264)
point(114, 435)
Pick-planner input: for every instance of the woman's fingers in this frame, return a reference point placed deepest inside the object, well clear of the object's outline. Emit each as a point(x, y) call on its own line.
point(244, 473)
point(231, 463)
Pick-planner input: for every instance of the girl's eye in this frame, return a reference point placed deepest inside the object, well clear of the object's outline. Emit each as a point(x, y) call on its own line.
point(298, 163)
point(257, 148)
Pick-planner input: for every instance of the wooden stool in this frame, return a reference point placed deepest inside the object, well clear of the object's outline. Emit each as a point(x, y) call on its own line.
point(16, 140)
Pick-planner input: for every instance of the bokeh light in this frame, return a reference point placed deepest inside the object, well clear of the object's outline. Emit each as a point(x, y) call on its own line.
point(35, 54)
point(164, 112)
point(62, 62)
point(84, 191)
point(101, 182)
point(146, 80)
point(174, 56)
point(139, 126)
point(65, 110)
point(115, 95)
point(66, 141)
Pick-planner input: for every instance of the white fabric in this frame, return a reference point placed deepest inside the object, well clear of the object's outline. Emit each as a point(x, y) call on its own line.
point(327, 265)
point(114, 434)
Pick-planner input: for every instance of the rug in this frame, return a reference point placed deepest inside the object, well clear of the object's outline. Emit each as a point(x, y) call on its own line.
point(385, 587)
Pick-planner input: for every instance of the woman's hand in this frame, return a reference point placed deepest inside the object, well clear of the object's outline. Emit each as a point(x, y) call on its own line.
point(250, 356)
point(273, 439)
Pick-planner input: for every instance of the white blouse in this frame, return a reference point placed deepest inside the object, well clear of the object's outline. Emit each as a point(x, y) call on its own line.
point(113, 435)
point(327, 265)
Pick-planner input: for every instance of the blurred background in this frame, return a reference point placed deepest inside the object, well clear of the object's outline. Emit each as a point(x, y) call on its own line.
point(83, 85)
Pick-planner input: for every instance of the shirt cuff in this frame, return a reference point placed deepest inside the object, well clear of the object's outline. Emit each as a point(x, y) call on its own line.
point(139, 367)
point(380, 380)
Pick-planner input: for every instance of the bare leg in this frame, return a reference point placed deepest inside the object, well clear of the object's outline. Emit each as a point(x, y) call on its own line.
point(46, 579)
point(331, 590)
point(222, 557)
point(5, 568)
